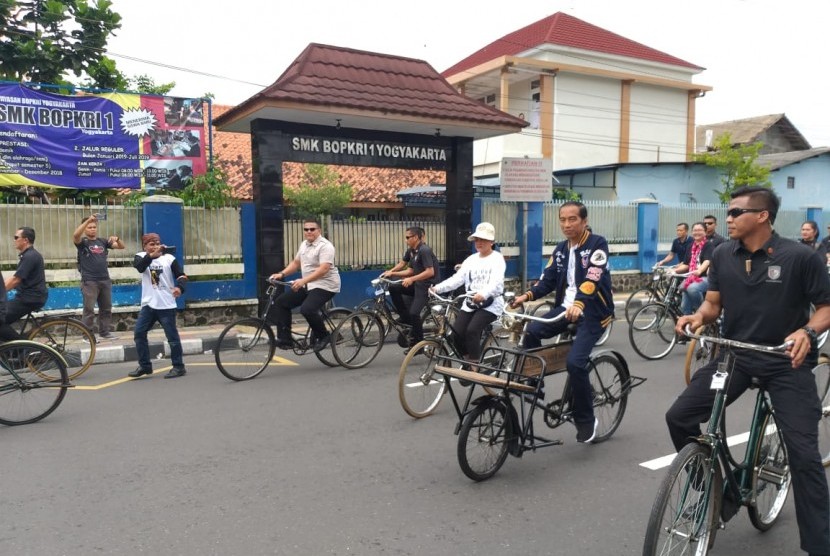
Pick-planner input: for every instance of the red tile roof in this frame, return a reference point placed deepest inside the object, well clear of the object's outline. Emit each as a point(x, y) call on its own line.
point(232, 153)
point(383, 85)
point(564, 30)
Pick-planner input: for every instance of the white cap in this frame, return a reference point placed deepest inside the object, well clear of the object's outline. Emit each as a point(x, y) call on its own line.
point(485, 230)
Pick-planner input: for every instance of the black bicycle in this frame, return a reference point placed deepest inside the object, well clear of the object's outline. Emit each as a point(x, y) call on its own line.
point(66, 335)
point(247, 346)
point(655, 290)
point(33, 381)
point(705, 484)
point(651, 330)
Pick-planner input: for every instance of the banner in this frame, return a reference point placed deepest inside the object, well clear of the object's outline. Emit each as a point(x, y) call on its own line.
point(117, 140)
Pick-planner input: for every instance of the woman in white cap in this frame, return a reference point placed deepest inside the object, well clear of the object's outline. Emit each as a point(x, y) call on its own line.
point(481, 274)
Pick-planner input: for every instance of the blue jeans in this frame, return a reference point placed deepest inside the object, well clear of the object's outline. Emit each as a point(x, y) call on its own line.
point(147, 317)
point(693, 296)
point(587, 334)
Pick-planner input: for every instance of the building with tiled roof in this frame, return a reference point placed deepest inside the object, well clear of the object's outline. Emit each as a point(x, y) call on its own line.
point(592, 97)
point(775, 131)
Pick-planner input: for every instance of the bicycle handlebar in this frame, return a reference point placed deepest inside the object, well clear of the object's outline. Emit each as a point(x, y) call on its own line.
point(738, 344)
point(525, 316)
point(381, 280)
point(275, 282)
point(456, 299)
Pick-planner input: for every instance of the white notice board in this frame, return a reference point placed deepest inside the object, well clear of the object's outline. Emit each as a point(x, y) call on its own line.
point(526, 179)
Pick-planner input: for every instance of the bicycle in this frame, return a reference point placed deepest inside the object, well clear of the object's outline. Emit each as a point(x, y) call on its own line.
point(419, 390)
point(66, 335)
point(686, 512)
point(651, 331)
point(699, 353)
point(654, 291)
point(490, 427)
point(246, 346)
point(33, 381)
point(361, 335)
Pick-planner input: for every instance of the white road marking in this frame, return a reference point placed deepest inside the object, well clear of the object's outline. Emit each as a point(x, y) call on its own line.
point(665, 461)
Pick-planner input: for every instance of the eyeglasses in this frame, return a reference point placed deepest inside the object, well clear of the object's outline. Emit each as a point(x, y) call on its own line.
point(736, 212)
point(309, 229)
point(708, 223)
point(408, 237)
point(17, 237)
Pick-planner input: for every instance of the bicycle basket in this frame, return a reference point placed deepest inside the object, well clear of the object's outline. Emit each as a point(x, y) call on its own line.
point(555, 358)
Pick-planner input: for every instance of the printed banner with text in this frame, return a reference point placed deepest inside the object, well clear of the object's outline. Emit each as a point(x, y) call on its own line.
point(99, 141)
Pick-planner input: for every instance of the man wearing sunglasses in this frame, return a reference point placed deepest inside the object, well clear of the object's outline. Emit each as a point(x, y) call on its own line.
point(318, 283)
point(765, 284)
point(419, 269)
point(29, 280)
point(712, 237)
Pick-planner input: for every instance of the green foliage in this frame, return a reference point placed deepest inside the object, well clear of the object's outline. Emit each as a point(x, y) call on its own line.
point(45, 41)
point(210, 190)
point(565, 194)
point(737, 165)
point(147, 85)
point(320, 193)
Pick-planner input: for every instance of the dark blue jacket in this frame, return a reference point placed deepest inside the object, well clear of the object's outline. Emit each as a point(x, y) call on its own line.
point(592, 277)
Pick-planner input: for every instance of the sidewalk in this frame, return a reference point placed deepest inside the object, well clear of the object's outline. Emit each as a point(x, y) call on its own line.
point(195, 340)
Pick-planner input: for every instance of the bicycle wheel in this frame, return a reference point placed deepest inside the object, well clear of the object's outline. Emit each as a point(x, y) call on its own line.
point(651, 331)
point(482, 441)
point(822, 374)
point(770, 476)
point(335, 317)
point(605, 334)
point(684, 516)
point(69, 337)
point(636, 300)
point(371, 306)
point(28, 391)
point(542, 309)
point(245, 349)
point(419, 388)
point(697, 354)
point(359, 339)
point(609, 380)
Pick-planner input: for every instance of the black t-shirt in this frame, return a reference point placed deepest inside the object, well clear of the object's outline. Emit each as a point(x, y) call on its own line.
point(92, 259)
point(421, 258)
point(766, 295)
point(705, 254)
point(30, 270)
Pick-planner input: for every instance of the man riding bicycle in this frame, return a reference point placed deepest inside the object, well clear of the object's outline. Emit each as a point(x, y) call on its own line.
point(29, 280)
point(578, 275)
point(765, 284)
point(319, 282)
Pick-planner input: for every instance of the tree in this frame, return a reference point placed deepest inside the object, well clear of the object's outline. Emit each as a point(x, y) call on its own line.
point(737, 165)
point(45, 40)
point(147, 85)
point(320, 193)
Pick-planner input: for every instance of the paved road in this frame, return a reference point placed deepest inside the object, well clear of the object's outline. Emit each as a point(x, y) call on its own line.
point(312, 460)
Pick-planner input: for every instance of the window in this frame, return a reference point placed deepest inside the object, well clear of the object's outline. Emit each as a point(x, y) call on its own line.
point(790, 182)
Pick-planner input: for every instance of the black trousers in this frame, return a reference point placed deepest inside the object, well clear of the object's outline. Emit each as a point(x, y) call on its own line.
point(411, 316)
point(797, 413)
point(468, 327)
point(310, 303)
point(15, 309)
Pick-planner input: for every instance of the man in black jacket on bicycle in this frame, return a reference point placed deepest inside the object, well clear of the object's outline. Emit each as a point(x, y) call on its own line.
point(765, 284)
point(29, 280)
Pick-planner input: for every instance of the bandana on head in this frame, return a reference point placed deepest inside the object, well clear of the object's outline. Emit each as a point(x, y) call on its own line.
point(147, 238)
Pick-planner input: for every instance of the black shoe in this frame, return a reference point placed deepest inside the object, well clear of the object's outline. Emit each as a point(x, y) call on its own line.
point(585, 432)
point(140, 372)
point(321, 343)
point(284, 344)
point(175, 372)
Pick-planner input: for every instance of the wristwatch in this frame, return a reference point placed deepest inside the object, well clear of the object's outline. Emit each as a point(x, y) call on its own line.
point(811, 333)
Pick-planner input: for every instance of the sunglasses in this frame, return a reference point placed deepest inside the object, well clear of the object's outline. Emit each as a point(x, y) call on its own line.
point(736, 212)
point(408, 237)
point(708, 223)
point(309, 229)
point(17, 237)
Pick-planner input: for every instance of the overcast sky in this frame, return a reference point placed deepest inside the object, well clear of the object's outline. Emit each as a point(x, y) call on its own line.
point(761, 56)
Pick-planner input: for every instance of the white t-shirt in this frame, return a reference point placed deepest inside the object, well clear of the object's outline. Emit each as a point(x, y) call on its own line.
point(484, 275)
point(570, 292)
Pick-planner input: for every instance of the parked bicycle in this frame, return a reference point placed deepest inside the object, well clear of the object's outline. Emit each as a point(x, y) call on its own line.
point(651, 331)
point(490, 427)
point(362, 334)
point(66, 335)
point(704, 475)
point(33, 381)
point(655, 290)
point(246, 347)
point(419, 389)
